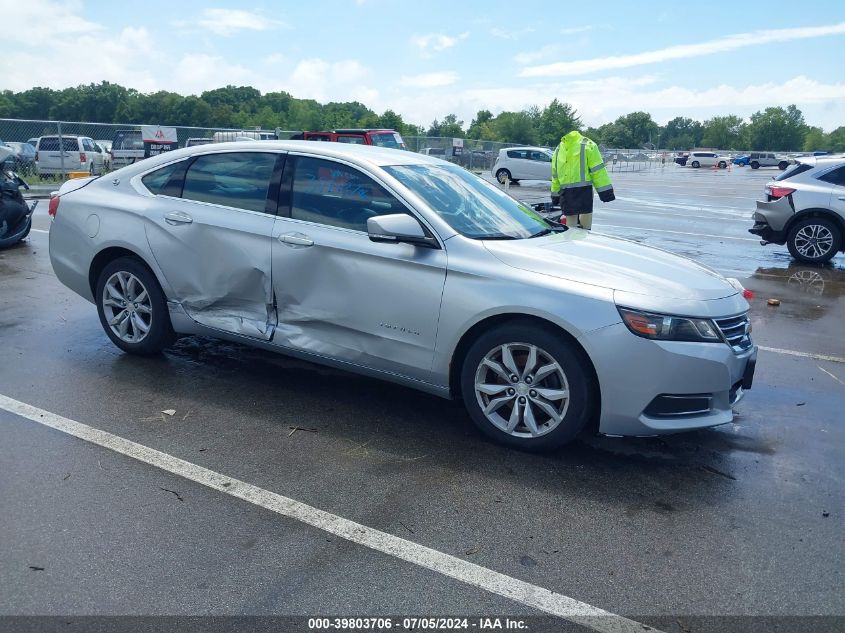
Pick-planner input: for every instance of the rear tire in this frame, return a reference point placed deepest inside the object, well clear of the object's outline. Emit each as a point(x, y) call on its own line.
point(543, 396)
point(696, 164)
point(814, 240)
point(783, 165)
point(722, 164)
point(136, 295)
point(503, 175)
point(755, 165)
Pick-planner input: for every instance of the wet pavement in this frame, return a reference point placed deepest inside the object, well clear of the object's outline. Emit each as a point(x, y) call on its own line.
point(742, 520)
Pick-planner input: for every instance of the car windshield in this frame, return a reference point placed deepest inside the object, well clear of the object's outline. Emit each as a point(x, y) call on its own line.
point(470, 205)
point(388, 139)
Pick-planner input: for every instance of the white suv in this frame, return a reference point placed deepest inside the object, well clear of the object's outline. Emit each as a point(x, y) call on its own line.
point(707, 159)
point(767, 159)
point(805, 209)
point(523, 163)
point(78, 153)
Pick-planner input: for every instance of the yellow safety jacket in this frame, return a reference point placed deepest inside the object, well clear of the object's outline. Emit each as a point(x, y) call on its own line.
point(577, 167)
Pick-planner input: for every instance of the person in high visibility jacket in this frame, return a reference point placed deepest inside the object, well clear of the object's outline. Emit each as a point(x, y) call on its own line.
point(577, 167)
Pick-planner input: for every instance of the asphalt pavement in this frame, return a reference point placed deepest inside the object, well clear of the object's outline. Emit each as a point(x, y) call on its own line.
point(743, 522)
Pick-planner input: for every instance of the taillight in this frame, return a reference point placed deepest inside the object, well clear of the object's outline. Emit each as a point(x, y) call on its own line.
point(54, 206)
point(36, 157)
point(82, 157)
point(779, 192)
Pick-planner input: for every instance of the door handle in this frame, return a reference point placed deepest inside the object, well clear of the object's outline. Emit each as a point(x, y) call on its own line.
point(296, 239)
point(177, 217)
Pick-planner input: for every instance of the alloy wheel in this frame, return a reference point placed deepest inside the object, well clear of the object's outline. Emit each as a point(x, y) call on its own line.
point(127, 307)
point(813, 241)
point(522, 390)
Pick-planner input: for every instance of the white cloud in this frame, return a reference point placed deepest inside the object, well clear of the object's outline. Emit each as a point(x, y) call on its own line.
point(720, 45)
point(197, 72)
point(430, 80)
point(529, 57)
point(506, 34)
point(572, 30)
point(436, 42)
point(42, 20)
point(328, 81)
point(229, 21)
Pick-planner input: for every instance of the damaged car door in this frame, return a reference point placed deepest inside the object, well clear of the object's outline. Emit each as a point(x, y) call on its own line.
point(211, 238)
point(339, 294)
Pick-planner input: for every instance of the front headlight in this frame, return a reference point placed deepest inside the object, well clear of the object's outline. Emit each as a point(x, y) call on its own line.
point(664, 327)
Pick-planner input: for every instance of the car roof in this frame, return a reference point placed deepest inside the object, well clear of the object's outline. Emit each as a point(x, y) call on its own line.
point(822, 161)
point(362, 154)
point(509, 149)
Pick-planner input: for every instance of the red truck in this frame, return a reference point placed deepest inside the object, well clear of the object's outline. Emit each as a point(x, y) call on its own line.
point(379, 137)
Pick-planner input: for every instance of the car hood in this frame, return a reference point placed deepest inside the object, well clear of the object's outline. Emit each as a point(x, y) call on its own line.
point(610, 262)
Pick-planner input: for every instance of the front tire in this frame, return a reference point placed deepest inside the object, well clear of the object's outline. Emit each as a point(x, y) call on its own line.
point(722, 164)
point(503, 175)
point(132, 307)
point(526, 387)
point(782, 165)
point(814, 240)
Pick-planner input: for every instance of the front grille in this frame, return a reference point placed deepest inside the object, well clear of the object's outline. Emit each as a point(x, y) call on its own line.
point(736, 330)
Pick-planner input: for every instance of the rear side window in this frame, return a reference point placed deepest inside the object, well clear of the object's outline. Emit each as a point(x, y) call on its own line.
point(235, 179)
point(794, 170)
point(355, 140)
point(518, 153)
point(128, 140)
point(337, 195)
point(157, 180)
point(835, 177)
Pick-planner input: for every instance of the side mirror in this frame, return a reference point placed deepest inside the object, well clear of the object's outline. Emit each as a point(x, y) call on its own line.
point(399, 227)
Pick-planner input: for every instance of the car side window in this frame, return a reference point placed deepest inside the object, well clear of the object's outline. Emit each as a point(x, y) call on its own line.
point(541, 156)
point(330, 193)
point(233, 179)
point(355, 140)
point(835, 177)
point(157, 180)
point(521, 153)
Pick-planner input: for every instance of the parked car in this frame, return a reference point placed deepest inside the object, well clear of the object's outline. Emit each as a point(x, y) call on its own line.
point(33, 141)
point(523, 163)
point(22, 159)
point(767, 159)
point(804, 208)
point(234, 136)
point(410, 269)
point(742, 160)
point(78, 153)
point(356, 136)
point(127, 148)
point(105, 151)
point(681, 159)
point(707, 159)
point(439, 152)
point(193, 142)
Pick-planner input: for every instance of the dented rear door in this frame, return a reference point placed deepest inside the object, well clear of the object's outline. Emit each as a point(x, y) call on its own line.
point(213, 242)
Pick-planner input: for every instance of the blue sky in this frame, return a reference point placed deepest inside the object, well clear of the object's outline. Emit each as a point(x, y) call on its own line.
point(425, 60)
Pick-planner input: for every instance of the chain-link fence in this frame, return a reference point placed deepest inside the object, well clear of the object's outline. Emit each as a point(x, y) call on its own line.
point(70, 149)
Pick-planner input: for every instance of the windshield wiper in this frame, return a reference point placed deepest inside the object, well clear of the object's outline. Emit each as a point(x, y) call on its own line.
point(551, 229)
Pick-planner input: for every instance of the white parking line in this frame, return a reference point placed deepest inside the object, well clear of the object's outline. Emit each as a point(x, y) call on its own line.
point(638, 228)
point(792, 352)
point(39, 231)
point(446, 564)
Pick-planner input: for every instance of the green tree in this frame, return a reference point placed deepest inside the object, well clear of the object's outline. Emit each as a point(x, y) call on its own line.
point(681, 133)
point(836, 140)
point(814, 139)
point(635, 129)
point(777, 129)
point(515, 127)
point(475, 127)
point(554, 121)
point(449, 127)
point(724, 132)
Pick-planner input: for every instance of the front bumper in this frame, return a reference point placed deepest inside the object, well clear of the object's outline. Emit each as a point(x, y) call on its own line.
point(634, 373)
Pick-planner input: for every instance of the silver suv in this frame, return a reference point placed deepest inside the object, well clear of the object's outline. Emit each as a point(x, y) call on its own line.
point(805, 209)
point(767, 159)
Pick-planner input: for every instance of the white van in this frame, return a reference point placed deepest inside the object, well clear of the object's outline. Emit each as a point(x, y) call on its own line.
point(78, 153)
point(244, 135)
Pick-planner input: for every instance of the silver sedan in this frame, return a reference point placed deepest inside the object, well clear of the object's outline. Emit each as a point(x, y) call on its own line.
point(409, 269)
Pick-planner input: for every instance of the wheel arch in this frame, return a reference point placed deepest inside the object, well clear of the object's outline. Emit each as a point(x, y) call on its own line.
point(816, 212)
point(476, 330)
point(109, 254)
